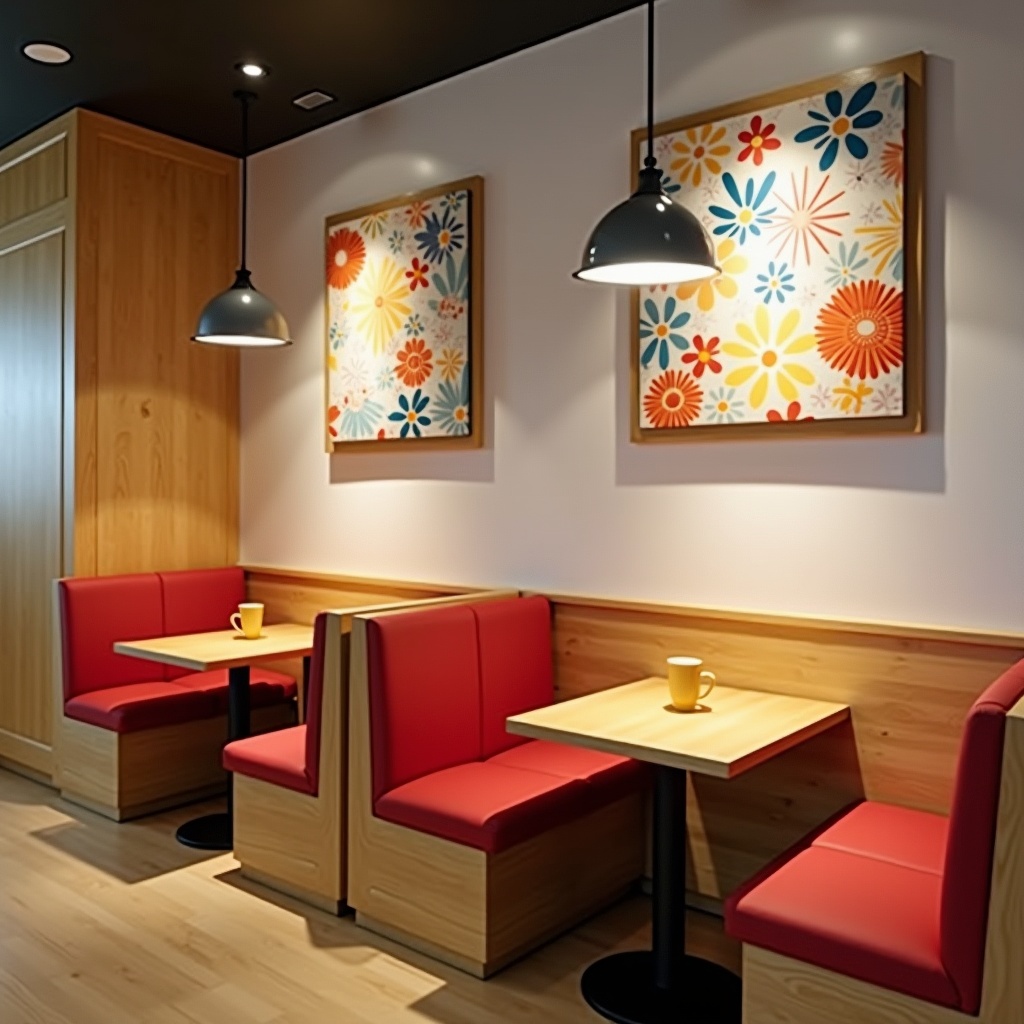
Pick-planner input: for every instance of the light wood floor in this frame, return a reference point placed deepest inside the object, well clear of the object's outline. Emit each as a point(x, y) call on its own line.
point(117, 924)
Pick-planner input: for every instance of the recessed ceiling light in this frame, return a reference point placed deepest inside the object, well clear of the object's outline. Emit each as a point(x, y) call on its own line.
point(46, 53)
point(252, 69)
point(314, 99)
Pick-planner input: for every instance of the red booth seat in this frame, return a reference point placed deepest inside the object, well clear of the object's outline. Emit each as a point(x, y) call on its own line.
point(125, 694)
point(895, 897)
point(442, 682)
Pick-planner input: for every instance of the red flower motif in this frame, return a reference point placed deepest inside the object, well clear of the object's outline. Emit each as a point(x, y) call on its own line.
point(332, 414)
point(414, 363)
point(418, 275)
point(703, 356)
point(758, 139)
point(792, 414)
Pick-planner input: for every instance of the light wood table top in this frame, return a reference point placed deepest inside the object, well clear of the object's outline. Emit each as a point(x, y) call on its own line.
point(202, 652)
point(731, 732)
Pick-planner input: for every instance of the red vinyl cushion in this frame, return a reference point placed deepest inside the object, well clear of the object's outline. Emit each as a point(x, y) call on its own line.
point(972, 830)
point(864, 918)
point(484, 805)
point(612, 774)
point(199, 601)
point(424, 689)
point(132, 707)
point(95, 612)
point(515, 665)
point(899, 835)
point(266, 687)
point(315, 701)
point(276, 757)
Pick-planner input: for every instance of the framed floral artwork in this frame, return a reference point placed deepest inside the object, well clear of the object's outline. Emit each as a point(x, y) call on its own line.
point(404, 315)
point(813, 199)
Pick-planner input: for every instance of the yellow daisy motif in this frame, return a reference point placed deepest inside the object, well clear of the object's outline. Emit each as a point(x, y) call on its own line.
point(766, 355)
point(724, 284)
point(700, 151)
point(451, 363)
point(378, 303)
point(886, 239)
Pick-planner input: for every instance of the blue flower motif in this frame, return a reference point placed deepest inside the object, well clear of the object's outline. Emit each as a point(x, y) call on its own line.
point(414, 326)
point(395, 242)
point(440, 236)
point(452, 406)
point(776, 283)
point(722, 406)
point(668, 185)
point(410, 413)
point(453, 287)
point(662, 327)
point(843, 267)
point(894, 87)
point(452, 201)
point(361, 422)
point(842, 125)
point(748, 214)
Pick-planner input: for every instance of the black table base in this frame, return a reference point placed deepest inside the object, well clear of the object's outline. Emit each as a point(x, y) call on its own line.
point(210, 832)
point(621, 988)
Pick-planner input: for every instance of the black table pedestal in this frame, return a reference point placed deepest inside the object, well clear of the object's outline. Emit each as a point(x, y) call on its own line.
point(214, 831)
point(665, 985)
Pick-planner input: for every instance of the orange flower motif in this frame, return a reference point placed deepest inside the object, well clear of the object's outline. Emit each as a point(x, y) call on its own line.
point(414, 363)
point(892, 162)
point(416, 213)
point(703, 356)
point(860, 331)
point(418, 275)
point(757, 139)
point(673, 400)
point(332, 414)
point(792, 414)
point(346, 254)
point(700, 150)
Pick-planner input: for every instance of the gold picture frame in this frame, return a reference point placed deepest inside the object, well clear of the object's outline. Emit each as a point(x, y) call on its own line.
point(910, 416)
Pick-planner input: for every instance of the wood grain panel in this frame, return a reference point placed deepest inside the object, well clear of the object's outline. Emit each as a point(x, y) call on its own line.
point(31, 494)
point(157, 416)
point(33, 176)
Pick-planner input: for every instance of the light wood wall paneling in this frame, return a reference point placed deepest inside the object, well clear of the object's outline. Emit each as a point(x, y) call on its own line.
point(156, 416)
point(34, 172)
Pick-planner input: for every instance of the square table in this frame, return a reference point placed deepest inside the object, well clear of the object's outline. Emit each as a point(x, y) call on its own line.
point(729, 732)
point(204, 652)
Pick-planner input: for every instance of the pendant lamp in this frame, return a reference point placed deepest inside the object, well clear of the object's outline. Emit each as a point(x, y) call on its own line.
point(650, 238)
point(242, 316)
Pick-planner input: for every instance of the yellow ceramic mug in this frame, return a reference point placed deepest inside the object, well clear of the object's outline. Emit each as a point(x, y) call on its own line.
point(684, 679)
point(248, 620)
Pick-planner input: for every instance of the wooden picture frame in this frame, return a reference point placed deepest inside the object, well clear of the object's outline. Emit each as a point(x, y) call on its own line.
point(909, 416)
point(423, 254)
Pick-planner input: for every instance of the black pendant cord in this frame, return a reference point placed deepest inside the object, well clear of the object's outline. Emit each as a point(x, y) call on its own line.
point(245, 98)
point(650, 161)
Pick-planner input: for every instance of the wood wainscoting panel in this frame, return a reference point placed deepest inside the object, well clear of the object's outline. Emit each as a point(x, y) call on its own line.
point(909, 690)
point(157, 416)
point(34, 172)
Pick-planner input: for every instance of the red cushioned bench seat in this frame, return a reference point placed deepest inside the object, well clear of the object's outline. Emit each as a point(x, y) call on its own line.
point(266, 687)
point(276, 757)
point(136, 706)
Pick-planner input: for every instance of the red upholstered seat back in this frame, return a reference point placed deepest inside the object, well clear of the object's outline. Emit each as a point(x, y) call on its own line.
point(967, 874)
point(424, 683)
point(199, 601)
point(515, 665)
point(315, 701)
point(96, 612)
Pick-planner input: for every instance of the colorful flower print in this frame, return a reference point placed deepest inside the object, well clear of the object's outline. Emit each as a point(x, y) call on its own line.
point(418, 275)
point(886, 244)
point(849, 397)
point(703, 356)
point(700, 152)
point(396, 240)
point(441, 236)
point(777, 283)
point(807, 218)
point(374, 224)
point(860, 330)
point(414, 325)
point(668, 185)
point(888, 400)
point(452, 289)
point(893, 88)
point(748, 214)
point(662, 327)
point(414, 363)
point(451, 363)
point(673, 400)
point(385, 379)
point(844, 266)
point(839, 125)
point(379, 302)
point(416, 213)
point(452, 201)
point(861, 175)
point(410, 414)
point(723, 406)
point(360, 414)
point(757, 139)
point(346, 254)
point(332, 414)
point(731, 263)
point(767, 357)
point(792, 414)
point(892, 162)
point(452, 406)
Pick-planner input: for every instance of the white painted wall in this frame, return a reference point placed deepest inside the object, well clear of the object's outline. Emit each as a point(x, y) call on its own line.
point(925, 529)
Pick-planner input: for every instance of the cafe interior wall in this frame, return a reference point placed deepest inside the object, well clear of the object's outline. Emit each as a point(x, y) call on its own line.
point(924, 528)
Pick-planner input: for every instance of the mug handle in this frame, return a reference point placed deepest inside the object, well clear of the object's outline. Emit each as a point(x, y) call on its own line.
point(711, 685)
point(236, 622)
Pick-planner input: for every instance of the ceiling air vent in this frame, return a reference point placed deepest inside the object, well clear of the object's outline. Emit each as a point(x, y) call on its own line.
point(312, 100)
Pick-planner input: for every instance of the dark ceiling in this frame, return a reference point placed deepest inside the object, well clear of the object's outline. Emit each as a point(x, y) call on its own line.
point(170, 64)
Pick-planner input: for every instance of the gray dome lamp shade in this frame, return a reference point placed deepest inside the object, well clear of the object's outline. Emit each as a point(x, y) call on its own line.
point(242, 316)
point(650, 238)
